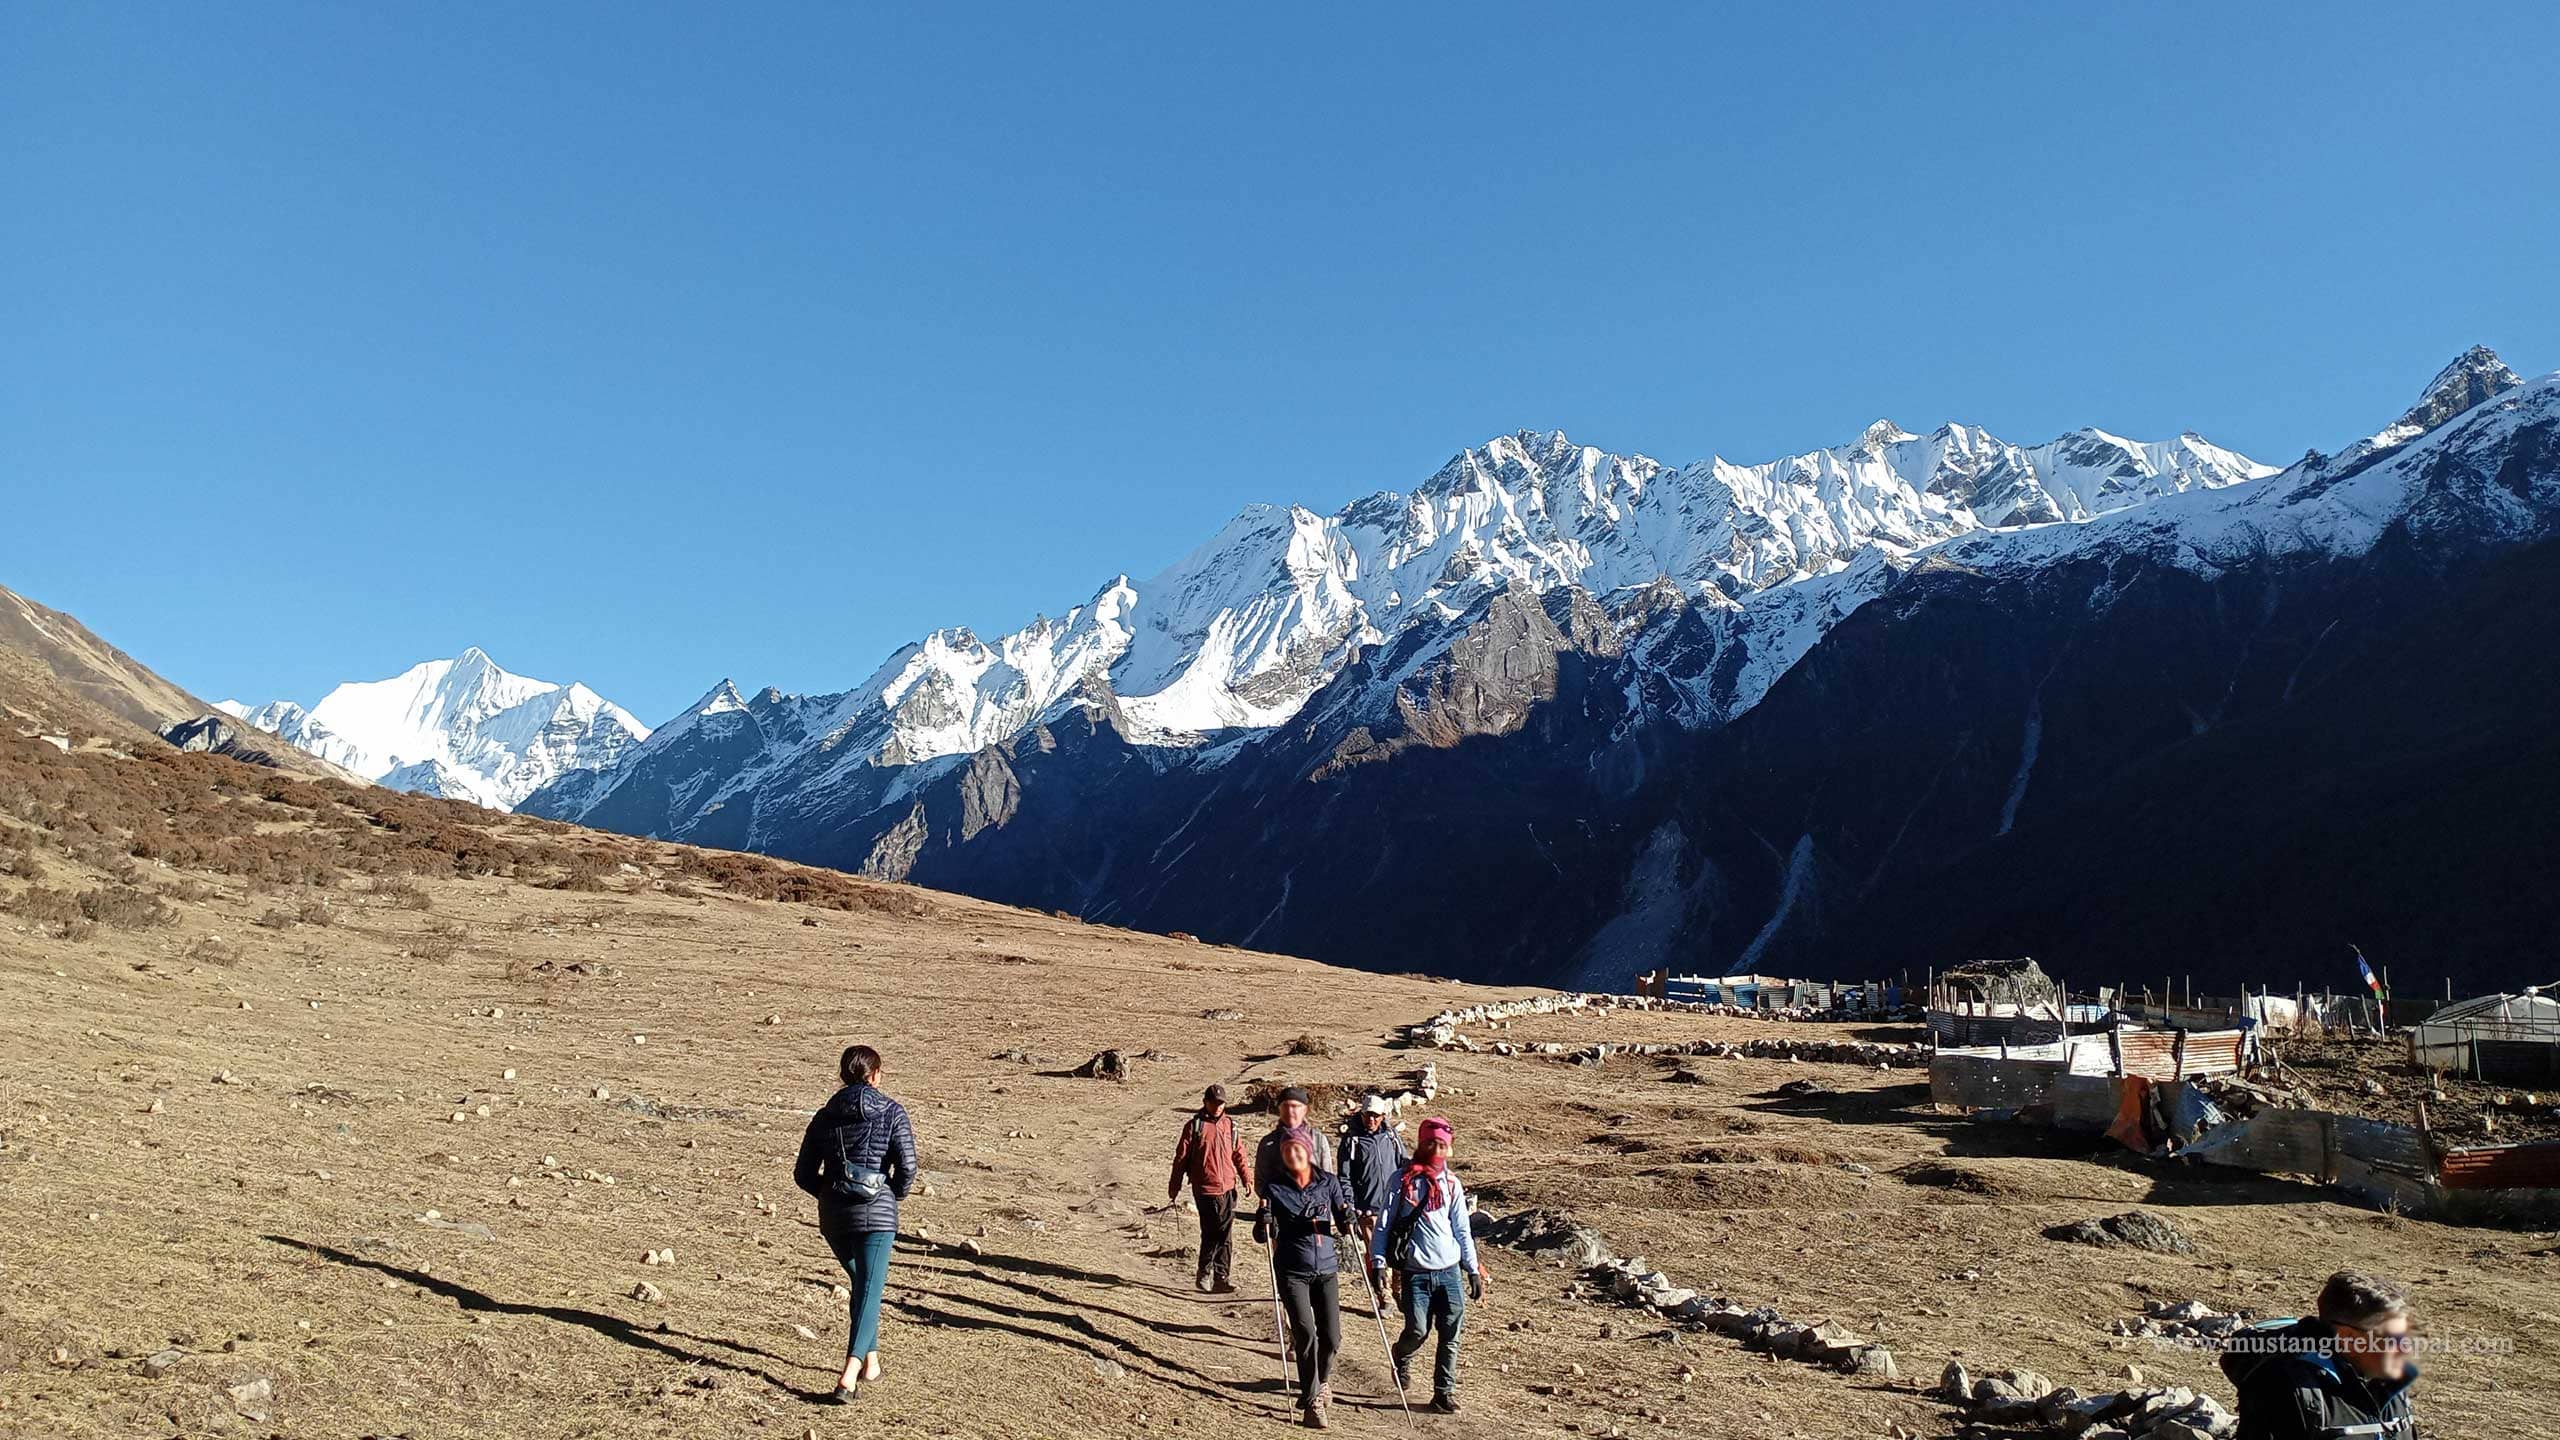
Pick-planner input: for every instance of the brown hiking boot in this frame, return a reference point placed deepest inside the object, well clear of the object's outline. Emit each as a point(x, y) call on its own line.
point(1444, 1404)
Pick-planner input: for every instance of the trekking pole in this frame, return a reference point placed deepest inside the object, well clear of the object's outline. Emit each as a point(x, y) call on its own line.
point(1378, 1312)
point(1279, 1315)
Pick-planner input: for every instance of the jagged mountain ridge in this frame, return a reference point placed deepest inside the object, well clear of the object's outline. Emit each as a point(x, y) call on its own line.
point(463, 728)
point(1955, 768)
point(1237, 637)
point(1563, 849)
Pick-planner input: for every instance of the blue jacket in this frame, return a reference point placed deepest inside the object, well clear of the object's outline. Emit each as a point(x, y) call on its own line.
point(1441, 1236)
point(1304, 1220)
point(858, 1128)
point(1368, 1165)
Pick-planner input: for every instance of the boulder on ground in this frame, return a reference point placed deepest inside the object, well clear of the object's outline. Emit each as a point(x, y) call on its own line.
point(2137, 1228)
point(1107, 1065)
point(1550, 1234)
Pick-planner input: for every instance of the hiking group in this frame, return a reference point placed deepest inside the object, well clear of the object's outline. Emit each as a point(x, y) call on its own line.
point(2345, 1371)
point(1406, 1218)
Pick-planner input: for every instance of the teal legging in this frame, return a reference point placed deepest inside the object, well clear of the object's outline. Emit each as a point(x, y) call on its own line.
point(865, 1258)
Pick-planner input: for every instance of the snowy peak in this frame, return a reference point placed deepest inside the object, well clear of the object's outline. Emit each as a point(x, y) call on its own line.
point(2476, 375)
point(464, 727)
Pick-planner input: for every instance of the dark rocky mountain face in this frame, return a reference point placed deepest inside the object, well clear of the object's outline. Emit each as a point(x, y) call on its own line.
point(2235, 778)
point(218, 734)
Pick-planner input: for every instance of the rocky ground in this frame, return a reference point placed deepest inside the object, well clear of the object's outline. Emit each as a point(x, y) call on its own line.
point(466, 1157)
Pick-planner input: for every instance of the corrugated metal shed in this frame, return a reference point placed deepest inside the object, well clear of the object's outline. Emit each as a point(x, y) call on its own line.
point(2504, 1167)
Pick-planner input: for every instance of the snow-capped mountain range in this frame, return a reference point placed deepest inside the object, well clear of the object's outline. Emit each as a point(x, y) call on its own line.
point(461, 728)
point(1236, 636)
point(1715, 714)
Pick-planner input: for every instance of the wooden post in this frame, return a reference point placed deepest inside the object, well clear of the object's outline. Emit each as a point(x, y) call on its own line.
point(2178, 1054)
point(2115, 1048)
point(2328, 1148)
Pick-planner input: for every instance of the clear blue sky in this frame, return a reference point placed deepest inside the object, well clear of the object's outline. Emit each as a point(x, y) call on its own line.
point(650, 344)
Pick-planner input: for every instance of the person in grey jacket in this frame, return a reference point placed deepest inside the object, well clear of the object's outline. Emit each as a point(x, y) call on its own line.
point(1289, 1122)
point(858, 1157)
point(1425, 1236)
point(1368, 1159)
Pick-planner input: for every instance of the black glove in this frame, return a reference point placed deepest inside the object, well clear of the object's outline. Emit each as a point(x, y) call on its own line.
point(1261, 1228)
point(1475, 1284)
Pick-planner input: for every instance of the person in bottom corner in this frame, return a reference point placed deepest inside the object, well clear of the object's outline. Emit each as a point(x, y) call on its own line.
point(2346, 1371)
point(1303, 1210)
point(1426, 1239)
point(1211, 1157)
point(859, 1158)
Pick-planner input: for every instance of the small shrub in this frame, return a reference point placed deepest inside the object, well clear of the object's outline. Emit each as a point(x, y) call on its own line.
point(1310, 1045)
point(406, 893)
point(442, 943)
point(58, 910)
point(315, 912)
point(214, 950)
point(276, 918)
point(586, 872)
point(125, 907)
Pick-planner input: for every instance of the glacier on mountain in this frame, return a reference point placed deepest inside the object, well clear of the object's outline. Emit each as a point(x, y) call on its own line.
point(461, 728)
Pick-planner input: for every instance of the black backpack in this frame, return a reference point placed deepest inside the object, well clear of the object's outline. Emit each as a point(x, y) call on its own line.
point(858, 1184)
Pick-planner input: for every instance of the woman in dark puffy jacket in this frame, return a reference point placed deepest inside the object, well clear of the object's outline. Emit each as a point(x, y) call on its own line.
point(859, 1158)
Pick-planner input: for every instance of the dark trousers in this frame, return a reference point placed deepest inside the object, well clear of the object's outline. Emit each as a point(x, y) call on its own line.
point(864, 1254)
point(1315, 1328)
point(1433, 1299)
point(1217, 1234)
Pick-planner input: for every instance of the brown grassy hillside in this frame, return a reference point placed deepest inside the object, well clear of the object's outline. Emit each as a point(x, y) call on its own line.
point(381, 1100)
point(58, 677)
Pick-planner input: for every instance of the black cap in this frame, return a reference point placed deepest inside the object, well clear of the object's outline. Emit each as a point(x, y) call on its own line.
point(1297, 1093)
point(1214, 1095)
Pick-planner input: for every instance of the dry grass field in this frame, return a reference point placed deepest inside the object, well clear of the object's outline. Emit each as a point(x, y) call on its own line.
point(381, 1102)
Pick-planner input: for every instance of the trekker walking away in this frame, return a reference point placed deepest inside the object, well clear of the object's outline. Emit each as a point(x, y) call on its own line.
point(1211, 1157)
point(1370, 1159)
point(1303, 1209)
point(1291, 1110)
point(2345, 1372)
point(859, 1158)
point(1426, 1238)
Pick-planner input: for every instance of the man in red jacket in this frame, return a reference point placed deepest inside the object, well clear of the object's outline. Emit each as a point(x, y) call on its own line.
point(1211, 1157)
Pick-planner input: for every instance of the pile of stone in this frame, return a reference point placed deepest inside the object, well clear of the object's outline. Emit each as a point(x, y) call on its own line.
point(2024, 1400)
point(2181, 1320)
point(1826, 1052)
point(1444, 1032)
point(1628, 1280)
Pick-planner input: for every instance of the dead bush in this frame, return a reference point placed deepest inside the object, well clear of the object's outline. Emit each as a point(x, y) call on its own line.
point(49, 908)
point(401, 891)
point(1310, 1045)
point(441, 943)
point(584, 872)
point(125, 907)
point(214, 950)
point(276, 918)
